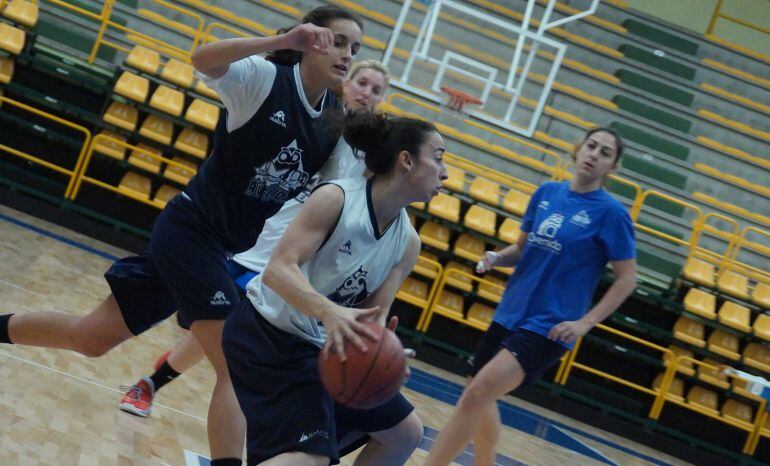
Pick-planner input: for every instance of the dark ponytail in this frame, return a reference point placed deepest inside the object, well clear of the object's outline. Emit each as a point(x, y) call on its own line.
point(383, 138)
point(322, 16)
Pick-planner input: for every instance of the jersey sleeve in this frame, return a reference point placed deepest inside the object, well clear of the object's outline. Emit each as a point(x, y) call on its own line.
point(243, 88)
point(529, 214)
point(617, 234)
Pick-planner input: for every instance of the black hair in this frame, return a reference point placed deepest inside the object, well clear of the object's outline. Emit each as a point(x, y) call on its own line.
point(620, 146)
point(322, 16)
point(383, 138)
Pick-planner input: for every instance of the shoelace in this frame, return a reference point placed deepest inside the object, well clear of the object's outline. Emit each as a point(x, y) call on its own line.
point(134, 391)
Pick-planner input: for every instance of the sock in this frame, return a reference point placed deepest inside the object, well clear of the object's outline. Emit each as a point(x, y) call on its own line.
point(163, 375)
point(226, 462)
point(4, 321)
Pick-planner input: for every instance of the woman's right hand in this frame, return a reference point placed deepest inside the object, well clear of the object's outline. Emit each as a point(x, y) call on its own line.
point(487, 261)
point(307, 37)
point(343, 323)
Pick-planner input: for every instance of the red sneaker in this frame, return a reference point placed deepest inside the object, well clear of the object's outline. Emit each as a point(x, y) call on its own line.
point(138, 399)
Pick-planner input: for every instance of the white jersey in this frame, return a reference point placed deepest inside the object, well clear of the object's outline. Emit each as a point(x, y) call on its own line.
point(349, 266)
point(343, 163)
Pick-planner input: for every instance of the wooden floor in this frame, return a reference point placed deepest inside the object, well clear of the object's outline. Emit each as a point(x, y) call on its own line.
point(60, 408)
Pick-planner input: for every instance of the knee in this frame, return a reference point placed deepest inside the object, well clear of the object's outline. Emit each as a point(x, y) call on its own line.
point(475, 395)
point(92, 347)
point(412, 432)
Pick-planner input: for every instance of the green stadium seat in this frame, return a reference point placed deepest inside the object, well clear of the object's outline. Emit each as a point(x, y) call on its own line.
point(654, 171)
point(724, 344)
point(456, 179)
point(7, 65)
point(734, 284)
point(469, 247)
point(144, 160)
point(179, 174)
point(203, 114)
point(143, 59)
point(666, 65)
point(192, 142)
point(136, 184)
point(167, 100)
point(690, 331)
point(656, 87)
point(657, 143)
point(445, 206)
point(660, 36)
point(157, 128)
point(480, 219)
point(22, 12)
point(178, 72)
point(164, 195)
point(11, 39)
point(736, 316)
point(700, 302)
point(653, 113)
point(700, 272)
point(110, 148)
point(485, 191)
point(435, 235)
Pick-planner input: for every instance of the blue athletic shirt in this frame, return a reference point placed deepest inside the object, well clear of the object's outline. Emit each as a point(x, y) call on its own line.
point(571, 238)
point(267, 146)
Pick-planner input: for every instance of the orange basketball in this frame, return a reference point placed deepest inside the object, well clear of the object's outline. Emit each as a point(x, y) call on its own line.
point(366, 380)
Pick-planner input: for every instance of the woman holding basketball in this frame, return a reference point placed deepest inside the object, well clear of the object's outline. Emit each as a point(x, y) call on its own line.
point(340, 262)
point(568, 234)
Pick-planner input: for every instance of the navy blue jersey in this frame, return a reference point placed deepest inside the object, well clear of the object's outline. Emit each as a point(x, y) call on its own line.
point(258, 166)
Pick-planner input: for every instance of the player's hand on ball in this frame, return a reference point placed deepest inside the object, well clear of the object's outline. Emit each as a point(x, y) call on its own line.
point(408, 352)
point(343, 323)
point(569, 331)
point(307, 37)
point(486, 263)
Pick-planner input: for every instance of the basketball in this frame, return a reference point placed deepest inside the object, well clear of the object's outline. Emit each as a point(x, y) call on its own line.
point(365, 380)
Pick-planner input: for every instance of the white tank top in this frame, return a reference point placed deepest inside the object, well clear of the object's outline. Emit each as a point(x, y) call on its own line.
point(348, 268)
point(343, 163)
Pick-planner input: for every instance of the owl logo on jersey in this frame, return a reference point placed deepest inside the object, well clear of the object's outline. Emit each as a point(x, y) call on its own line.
point(277, 179)
point(550, 226)
point(353, 291)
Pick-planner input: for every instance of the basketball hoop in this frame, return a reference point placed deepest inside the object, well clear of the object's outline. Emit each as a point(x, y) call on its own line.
point(458, 101)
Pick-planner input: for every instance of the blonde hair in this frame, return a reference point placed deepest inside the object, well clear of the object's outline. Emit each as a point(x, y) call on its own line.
point(370, 64)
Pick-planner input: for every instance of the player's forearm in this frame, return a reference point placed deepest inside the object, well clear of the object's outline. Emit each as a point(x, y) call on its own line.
point(293, 286)
point(620, 290)
point(214, 58)
point(509, 256)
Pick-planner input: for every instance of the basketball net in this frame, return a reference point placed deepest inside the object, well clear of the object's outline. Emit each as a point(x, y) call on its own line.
point(457, 103)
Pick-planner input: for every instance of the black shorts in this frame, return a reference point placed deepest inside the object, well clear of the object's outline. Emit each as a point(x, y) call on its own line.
point(534, 352)
point(192, 263)
point(275, 377)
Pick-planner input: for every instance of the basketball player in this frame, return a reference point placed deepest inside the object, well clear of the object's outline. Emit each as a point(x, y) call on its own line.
point(569, 232)
point(269, 143)
point(362, 91)
point(340, 262)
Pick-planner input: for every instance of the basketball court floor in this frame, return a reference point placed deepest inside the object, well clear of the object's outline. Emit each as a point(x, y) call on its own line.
point(60, 408)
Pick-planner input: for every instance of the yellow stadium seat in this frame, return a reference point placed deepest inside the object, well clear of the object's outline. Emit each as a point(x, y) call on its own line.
point(424, 267)
point(488, 290)
point(110, 148)
point(143, 59)
point(480, 219)
point(145, 161)
point(202, 89)
point(450, 305)
point(177, 72)
point(690, 331)
point(509, 230)
point(164, 195)
point(675, 390)
point(703, 399)
point(417, 205)
point(413, 291)
point(456, 180)
point(739, 387)
point(435, 235)
point(167, 100)
point(193, 142)
point(761, 295)
point(685, 366)
point(762, 327)
point(133, 86)
point(480, 316)
point(725, 344)
point(180, 174)
point(700, 272)
point(757, 356)
point(733, 284)
point(469, 247)
point(203, 114)
point(6, 69)
point(121, 115)
point(701, 303)
point(445, 206)
point(136, 184)
point(458, 281)
point(712, 376)
point(738, 412)
point(11, 39)
point(157, 128)
point(22, 12)
point(516, 202)
point(485, 191)
point(735, 316)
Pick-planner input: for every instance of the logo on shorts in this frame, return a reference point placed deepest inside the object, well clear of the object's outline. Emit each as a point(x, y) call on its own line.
point(310, 436)
point(279, 118)
point(345, 248)
point(219, 299)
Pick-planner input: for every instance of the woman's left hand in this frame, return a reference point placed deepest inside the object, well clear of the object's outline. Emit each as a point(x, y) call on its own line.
point(569, 331)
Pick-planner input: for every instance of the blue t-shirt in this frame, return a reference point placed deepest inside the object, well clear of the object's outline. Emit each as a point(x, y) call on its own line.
point(571, 238)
